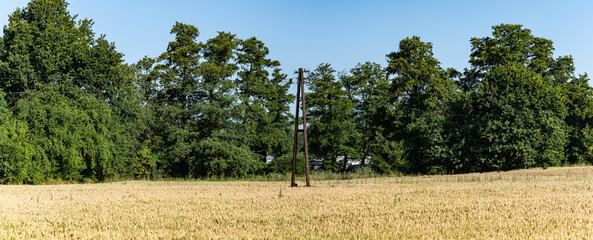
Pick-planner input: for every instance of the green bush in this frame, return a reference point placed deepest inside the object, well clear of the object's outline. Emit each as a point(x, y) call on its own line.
point(73, 135)
point(283, 164)
point(218, 158)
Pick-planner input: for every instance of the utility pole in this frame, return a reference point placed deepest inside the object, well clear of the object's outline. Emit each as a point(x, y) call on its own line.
point(300, 96)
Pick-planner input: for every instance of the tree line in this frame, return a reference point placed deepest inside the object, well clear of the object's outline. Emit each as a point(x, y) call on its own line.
point(71, 109)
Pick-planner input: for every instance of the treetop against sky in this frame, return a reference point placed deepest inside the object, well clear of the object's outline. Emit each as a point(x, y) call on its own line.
point(343, 33)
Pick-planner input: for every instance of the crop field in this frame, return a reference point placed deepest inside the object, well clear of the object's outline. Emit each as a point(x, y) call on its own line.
point(556, 203)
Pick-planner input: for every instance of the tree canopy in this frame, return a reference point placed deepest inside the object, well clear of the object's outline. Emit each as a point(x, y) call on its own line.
point(72, 110)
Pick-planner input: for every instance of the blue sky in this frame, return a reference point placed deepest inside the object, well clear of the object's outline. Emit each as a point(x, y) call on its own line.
point(306, 33)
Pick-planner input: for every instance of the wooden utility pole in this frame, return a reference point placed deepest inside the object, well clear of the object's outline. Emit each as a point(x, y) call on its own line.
point(300, 96)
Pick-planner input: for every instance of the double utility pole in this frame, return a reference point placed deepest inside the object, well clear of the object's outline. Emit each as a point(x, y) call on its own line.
point(300, 95)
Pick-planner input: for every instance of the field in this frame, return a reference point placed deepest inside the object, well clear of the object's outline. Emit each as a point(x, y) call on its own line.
point(556, 203)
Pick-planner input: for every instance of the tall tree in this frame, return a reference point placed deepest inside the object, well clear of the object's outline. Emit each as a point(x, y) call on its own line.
point(264, 100)
point(578, 95)
point(179, 67)
point(518, 121)
point(220, 151)
point(46, 49)
point(214, 93)
point(367, 87)
point(178, 74)
point(44, 44)
point(519, 117)
point(333, 132)
point(421, 90)
point(147, 83)
point(511, 43)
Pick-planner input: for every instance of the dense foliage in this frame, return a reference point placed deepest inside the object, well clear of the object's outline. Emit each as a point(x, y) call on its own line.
point(71, 109)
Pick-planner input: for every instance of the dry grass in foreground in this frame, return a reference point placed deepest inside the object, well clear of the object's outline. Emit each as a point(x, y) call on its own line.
point(556, 203)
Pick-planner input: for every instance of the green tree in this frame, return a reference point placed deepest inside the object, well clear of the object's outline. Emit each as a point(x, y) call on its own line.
point(511, 43)
point(421, 91)
point(264, 100)
point(147, 160)
point(179, 67)
point(189, 94)
point(518, 121)
point(579, 119)
point(332, 132)
point(44, 44)
point(17, 156)
point(367, 87)
point(218, 114)
point(214, 93)
point(4, 111)
point(147, 80)
point(519, 113)
point(46, 49)
point(178, 73)
point(222, 155)
point(73, 135)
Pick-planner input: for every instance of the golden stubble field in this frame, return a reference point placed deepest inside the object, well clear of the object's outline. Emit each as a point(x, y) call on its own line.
point(556, 203)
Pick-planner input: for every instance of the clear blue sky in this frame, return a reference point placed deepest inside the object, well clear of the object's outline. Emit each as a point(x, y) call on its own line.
point(308, 32)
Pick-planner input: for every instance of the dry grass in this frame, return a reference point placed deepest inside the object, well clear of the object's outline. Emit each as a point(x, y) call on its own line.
point(556, 203)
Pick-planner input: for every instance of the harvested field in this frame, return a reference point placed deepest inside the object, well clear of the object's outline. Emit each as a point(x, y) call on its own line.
point(556, 203)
